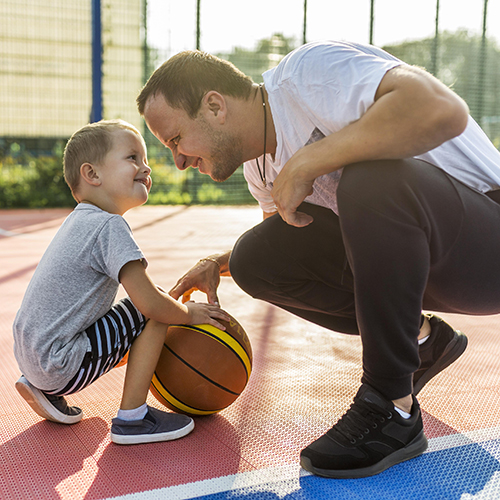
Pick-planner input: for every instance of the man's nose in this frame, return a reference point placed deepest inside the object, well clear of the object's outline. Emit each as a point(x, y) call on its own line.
point(182, 162)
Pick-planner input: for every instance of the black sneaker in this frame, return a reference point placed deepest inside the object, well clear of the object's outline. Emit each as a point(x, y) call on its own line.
point(371, 437)
point(156, 426)
point(444, 346)
point(54, 408)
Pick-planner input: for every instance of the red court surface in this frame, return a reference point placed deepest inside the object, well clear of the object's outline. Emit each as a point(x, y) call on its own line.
point(303, 379)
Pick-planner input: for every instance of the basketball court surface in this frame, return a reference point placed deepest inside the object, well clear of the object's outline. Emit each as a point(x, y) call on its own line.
point(303, 380)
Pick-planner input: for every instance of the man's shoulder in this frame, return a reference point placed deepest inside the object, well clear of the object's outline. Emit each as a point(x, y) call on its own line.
point(316, 53)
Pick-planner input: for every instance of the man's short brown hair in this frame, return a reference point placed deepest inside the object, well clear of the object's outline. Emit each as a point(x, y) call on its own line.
point(90, 144)
point(185, 78)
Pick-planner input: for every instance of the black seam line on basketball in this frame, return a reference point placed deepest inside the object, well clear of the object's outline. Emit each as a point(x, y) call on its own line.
point(199, 373)
point(222, 342)
point(214, 410)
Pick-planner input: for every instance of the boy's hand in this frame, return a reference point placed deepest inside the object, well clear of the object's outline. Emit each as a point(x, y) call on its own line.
point(206, 313)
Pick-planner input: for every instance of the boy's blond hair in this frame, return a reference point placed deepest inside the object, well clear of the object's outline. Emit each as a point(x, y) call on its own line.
point(90, 144)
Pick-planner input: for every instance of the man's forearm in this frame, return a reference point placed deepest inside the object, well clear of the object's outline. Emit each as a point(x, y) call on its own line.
point(413, 113)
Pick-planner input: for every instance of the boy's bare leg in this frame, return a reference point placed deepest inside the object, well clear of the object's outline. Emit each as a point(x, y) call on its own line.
point(156, 425)
point(143, 358)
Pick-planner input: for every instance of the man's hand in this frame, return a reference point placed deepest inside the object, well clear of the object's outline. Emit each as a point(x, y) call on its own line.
point(204, 276)
point(290, 188)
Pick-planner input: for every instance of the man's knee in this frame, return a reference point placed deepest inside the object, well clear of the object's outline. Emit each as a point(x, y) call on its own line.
point(244, 262)
point(401, 193)
point(375, 181)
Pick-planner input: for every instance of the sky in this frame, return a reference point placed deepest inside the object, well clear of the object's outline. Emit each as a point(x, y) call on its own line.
point(229, 23)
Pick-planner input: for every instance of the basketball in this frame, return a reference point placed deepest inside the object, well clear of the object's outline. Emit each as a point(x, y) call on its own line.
point(202, 369)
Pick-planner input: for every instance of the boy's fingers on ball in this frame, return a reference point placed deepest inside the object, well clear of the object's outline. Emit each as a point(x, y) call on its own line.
point(216, 324)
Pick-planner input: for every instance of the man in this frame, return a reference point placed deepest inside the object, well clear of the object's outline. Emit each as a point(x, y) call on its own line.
point(384, 187)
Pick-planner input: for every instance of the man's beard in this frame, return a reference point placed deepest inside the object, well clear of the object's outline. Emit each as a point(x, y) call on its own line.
point(226, 154)
point(226, 158)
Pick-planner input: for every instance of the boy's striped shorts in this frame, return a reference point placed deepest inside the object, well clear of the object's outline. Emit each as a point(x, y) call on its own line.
point(110, 339)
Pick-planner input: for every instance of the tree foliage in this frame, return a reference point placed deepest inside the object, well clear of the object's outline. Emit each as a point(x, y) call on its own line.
point(267, 54)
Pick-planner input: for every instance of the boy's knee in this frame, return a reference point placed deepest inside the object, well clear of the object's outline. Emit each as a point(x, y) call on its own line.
point(156, 327)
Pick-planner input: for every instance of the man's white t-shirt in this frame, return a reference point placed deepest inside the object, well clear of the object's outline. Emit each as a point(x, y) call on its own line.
point(322, 87)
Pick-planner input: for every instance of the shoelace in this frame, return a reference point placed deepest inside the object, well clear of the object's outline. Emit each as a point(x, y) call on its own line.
point(360, 419)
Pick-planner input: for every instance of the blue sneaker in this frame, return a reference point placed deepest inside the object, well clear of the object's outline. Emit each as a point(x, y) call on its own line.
point(156, 426)
point(54, 408)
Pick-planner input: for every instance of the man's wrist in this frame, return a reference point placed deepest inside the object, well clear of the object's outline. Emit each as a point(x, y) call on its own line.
point(211, 259)
point(221, 260)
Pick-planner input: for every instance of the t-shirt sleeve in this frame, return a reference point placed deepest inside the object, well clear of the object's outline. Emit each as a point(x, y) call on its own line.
point(337, 85)
point(114, 247)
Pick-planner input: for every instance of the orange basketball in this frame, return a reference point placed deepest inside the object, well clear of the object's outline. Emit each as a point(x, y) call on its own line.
point(202, 369)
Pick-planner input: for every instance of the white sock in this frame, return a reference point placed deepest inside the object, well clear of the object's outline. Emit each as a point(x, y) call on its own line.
point(425, 330)
point(421, 341)
point(135, 414)
point(402, 413)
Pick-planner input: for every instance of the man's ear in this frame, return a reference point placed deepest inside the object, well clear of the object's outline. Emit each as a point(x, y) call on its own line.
point(90, 175)
point(215, 104)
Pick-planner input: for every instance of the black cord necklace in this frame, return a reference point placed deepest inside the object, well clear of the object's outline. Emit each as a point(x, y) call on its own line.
point(263, 173)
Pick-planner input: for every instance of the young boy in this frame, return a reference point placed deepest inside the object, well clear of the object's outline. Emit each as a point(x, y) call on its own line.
point(68, 331)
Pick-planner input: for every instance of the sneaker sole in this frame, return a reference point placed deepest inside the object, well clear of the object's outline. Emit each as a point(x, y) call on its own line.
point(453, 351)
point(412, 450)
point(152, 438)
point(43, 407)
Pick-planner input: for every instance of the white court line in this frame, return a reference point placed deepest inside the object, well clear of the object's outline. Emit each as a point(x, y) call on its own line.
point(4, 232)
point(288, 472)
point(29, 235)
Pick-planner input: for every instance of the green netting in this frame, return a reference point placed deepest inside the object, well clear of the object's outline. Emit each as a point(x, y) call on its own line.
point(46, 74)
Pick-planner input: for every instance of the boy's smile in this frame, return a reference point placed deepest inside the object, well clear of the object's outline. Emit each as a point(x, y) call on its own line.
point(124, 174)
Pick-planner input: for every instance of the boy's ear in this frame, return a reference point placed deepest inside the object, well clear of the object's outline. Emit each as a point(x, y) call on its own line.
point(215, 104)
point(90, 175)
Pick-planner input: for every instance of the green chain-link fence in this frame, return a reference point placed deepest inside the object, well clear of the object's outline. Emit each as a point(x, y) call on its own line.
point(46, 82)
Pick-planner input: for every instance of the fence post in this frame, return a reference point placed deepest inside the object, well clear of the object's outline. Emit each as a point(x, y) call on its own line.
point(304, 29)
point(482, 67)
point(198, 28)
point(96, 111)
point(372, 15)
point(435, 44)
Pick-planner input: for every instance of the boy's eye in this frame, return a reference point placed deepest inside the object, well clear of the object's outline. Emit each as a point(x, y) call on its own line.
point(133, 157)
point(175, 140)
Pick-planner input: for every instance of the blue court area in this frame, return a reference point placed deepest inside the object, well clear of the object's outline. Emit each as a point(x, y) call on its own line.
point(303, 380)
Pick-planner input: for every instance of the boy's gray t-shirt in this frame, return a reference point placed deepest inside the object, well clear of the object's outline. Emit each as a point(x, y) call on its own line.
point(74, 285)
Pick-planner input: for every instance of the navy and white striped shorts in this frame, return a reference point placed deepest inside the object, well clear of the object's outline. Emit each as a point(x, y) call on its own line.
point(110, 339)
